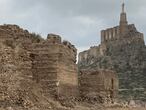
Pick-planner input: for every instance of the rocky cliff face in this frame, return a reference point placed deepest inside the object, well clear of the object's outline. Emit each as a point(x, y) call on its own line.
point(127, 56)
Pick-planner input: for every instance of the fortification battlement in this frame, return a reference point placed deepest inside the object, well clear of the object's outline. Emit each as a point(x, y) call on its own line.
point(17, 34)
point(14, 35)
point(123, 30)
point(56, 39)
point(12, 28)
point(111, 34)
point(69, 45)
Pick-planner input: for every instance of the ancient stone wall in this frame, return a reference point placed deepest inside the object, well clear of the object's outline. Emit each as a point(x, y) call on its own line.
point(67, 75)
point(100, 84)
point(15, 74)
point(54, 67)
point(112, 34)
point(28, 61)
point(16, 35)
point(44, 67)
point(89, 56)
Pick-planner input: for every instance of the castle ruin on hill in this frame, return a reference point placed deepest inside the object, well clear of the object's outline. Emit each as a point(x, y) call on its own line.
point(122, 49)
point(34, 70)
point(120, 31)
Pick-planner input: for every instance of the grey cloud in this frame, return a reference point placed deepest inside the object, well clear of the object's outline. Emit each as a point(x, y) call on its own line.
point(78, 21)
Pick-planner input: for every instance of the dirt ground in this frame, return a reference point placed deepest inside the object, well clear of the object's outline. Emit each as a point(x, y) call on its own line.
point(126, 109)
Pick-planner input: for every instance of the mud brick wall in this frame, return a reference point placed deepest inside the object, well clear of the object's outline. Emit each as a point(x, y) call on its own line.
point(99, 83)
point(45, 67)
point(55, 69)
point(67, 73)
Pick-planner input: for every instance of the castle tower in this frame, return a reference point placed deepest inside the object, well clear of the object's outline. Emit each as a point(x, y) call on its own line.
point(123, 20)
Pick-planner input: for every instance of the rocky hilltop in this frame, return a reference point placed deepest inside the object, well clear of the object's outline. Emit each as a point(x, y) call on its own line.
point(126, 56)
point(123, 50)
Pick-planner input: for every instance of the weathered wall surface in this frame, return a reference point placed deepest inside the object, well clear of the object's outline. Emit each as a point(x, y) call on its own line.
point(67, 73)
point(15, 76)
point(98, 84)
point(31, 69)
point(113, 34)
point(54, 67)
point(45, 59)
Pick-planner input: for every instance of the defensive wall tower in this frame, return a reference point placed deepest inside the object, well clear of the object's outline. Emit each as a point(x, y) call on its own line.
point(117, 31)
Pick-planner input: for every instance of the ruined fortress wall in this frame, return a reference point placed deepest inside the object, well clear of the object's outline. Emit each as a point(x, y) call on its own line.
point(99, 83)
point(55, 69)
point(4, 35)
point(25, 63)
point(82, 56)
point(126, 56)
point(131, 37)
point(15, 73)
point(94, 50)
point(26, 59)
point(45, 60)
point(109, 34)
point(67, 73)
point(16, 35)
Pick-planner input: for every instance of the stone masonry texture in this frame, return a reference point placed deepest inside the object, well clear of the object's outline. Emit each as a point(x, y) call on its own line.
point(33, 70)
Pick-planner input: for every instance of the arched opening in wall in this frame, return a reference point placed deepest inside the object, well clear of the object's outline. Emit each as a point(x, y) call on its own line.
point(104, 38)
point(110, 36)
point(112, 83)
point(112, 90)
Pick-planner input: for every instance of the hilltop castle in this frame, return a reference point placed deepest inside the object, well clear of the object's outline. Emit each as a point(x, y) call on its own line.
point(123, 31)
point(120, 31)
point(122, 49)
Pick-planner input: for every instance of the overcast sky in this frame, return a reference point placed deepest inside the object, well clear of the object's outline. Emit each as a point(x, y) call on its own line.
point(78, 21)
